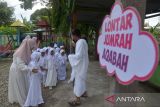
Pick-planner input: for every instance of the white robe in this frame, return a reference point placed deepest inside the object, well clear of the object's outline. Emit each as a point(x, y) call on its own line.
point(51, 79)
point(72, 75)
point(57, 54)
point(62, 68)
point(79, 62)
point(18, 81)
point(34, 96)
point(43, 63)
point(65, 56)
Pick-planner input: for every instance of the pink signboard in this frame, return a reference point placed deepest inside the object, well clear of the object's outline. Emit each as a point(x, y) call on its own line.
point(124, 49)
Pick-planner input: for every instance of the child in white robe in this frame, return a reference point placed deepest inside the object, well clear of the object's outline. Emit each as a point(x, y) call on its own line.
point(63, 48)
point(62, 68)
point(43, 65)
point(34, 97)
point(57, 54)
point(51, 79)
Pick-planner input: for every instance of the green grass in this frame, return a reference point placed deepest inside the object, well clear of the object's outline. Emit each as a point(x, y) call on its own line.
point(155, 79)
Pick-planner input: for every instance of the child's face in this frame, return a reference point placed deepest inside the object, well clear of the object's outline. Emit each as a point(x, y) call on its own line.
point(62, 53)
point(47, 51)
point(42, 53)
point(52, 52)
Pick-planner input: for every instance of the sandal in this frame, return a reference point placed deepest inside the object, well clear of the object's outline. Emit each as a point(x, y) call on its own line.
point(74, 103)
point(84, 95)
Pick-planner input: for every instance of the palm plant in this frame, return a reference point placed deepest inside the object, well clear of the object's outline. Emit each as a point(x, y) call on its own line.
point(156, 31)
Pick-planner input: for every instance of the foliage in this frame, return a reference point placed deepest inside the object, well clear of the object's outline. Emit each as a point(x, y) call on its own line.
point(60, 11)
point(155, 31)
point(44, 12)
point(28, 25)
point(61, 39)
point(27, 4)
point(7, 30)
point(6, 14)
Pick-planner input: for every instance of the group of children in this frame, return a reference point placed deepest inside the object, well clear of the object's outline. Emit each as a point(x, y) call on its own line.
point(50, 65)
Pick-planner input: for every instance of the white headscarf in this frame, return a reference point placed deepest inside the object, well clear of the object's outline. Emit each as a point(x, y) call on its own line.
point(45, 48)
point(51, 49)
point(42, 50)
point(49, 54)
point(35, 56)
point(38, 50)
point(57, 50)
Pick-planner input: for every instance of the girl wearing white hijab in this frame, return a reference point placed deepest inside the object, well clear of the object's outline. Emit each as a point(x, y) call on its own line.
point(34, 97)
point(18, 74)
point(52, 73)
point(62, 68)
point(57, 54)
point(43, 65)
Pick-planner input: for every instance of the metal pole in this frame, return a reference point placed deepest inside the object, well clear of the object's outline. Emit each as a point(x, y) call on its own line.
point(70, 41)
point(18, 36)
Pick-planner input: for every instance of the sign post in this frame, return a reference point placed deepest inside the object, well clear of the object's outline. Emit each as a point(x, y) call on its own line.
point(124, 49)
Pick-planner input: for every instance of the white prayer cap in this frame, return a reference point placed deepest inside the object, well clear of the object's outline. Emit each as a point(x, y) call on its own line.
point(62, 50)
point(42, 50)
point(55, 45)
point(61, 46)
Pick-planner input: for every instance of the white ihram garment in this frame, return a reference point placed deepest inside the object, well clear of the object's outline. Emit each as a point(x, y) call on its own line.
point(79, 62)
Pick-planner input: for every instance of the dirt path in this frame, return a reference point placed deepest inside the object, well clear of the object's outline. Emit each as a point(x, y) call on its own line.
point(97, 83)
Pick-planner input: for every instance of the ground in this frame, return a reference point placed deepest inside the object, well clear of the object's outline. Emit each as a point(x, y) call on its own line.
point(99, 86)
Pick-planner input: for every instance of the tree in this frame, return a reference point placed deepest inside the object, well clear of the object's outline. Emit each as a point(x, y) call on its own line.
point(60, 12)
point(28, 25)
point(40, 13)
point(7, 30)
point(27, 4)
point(155, 31)
point(6, 14)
